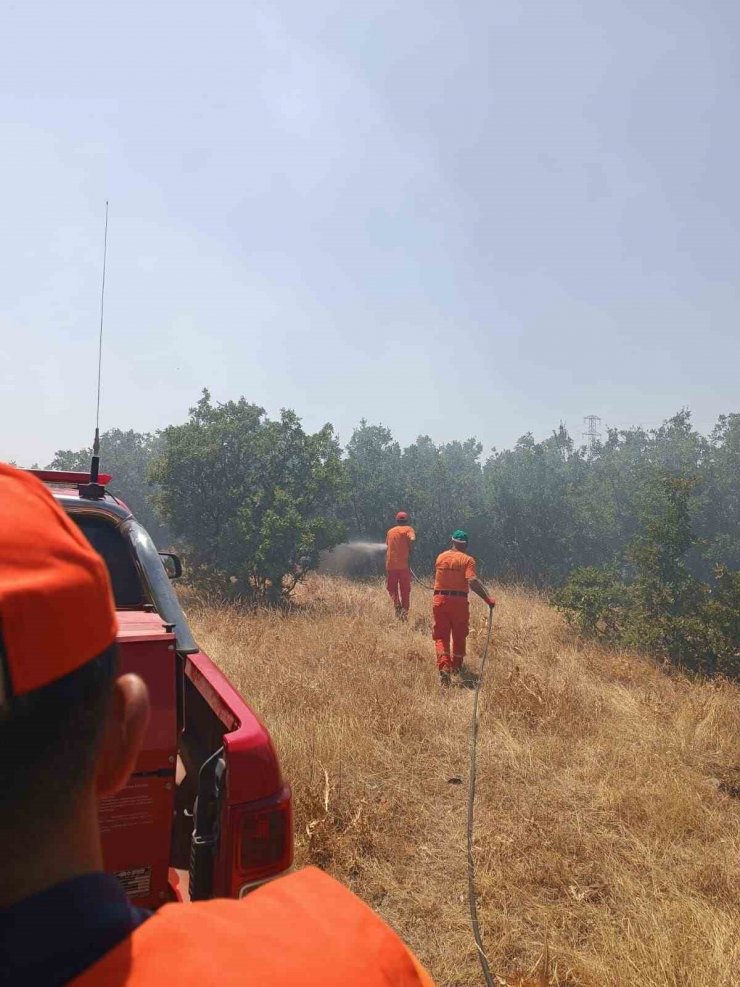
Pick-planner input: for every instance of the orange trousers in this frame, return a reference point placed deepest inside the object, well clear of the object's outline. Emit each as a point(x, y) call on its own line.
point(398, 585)
point(451, 620)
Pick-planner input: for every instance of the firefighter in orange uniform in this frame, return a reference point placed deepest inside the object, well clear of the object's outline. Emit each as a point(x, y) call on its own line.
point(70, 731)
point(454, 575)
point(399, 540)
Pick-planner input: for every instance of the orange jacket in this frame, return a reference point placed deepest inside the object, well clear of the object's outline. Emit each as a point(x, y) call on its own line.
point(305, 929)
point(452, 571)
point(398, 541)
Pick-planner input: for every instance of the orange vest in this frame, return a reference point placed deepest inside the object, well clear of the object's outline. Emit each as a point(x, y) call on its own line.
point(305, 929)
point(452, 571)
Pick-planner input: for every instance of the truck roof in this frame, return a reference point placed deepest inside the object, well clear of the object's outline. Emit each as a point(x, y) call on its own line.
point(65, 484)
point(65, 488)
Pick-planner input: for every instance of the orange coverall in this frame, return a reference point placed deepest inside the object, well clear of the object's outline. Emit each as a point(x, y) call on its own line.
point(398, 541)
point(450, 607)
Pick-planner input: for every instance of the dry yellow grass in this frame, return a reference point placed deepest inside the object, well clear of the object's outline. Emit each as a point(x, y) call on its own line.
point(604, 827)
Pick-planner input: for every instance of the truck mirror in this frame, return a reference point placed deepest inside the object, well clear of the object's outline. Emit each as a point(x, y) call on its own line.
point(172, 564)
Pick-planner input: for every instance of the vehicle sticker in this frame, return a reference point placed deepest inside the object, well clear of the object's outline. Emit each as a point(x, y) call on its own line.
point(136, 882)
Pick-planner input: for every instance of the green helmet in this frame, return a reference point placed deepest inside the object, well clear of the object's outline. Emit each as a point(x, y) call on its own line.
point(460, 535)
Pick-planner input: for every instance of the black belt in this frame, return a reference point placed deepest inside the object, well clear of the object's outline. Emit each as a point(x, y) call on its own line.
point(449, 592)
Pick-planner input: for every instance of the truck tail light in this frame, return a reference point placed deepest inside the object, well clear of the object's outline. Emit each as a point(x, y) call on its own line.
point(263, 837)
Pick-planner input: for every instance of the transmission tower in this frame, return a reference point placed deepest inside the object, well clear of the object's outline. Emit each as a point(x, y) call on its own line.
point(591, 433)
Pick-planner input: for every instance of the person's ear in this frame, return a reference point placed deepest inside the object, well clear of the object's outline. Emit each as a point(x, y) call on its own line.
point(123, 735)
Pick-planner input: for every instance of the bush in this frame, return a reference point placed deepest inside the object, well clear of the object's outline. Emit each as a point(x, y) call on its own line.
point(657, 604)
point(593, 600)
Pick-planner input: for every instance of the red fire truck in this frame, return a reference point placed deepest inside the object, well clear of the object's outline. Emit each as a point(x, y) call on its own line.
point(207, 812)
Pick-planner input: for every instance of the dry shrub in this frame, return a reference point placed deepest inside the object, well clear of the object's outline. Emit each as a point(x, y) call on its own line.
point(606, 825)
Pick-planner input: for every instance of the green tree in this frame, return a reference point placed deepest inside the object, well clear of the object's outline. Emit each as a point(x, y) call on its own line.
point(443, 490)
point(717, 518)
point(621, 475)
point(617, 469)
point(254, 499)
point(665, 599)
point(540, 510)
point(654, 601)
point(721, 614)
point(536, 526)
point(373, 473)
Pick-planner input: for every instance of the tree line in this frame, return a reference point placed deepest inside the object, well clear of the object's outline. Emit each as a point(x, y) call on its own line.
point(254, 501)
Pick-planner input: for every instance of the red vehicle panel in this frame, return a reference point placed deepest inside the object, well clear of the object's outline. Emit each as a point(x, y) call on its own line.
point(207, 795)
point(148, 650)
point(136, 823)
point(247, 739)
point(136, 833)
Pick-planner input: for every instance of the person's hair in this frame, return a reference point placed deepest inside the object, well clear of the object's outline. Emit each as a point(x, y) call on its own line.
point(49, 741)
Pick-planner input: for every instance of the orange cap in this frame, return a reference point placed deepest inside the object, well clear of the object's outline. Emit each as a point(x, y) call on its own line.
point(56, 605)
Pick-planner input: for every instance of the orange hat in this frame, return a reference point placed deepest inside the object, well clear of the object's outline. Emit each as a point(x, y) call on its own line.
point(56, 605)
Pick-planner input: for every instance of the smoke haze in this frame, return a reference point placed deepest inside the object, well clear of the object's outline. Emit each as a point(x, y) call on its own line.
point(355, 558)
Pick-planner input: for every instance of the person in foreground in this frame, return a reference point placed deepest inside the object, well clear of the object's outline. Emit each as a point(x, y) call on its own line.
point(454, 575)
point(399, 541)
point(70, 731)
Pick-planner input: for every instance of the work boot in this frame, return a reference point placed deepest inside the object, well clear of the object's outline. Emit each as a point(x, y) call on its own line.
point(403, 616)
point(444, 678)
point(399, 611)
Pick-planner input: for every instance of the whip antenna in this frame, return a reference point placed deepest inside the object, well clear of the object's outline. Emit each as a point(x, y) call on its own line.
point(94, 490)
point(95, 465)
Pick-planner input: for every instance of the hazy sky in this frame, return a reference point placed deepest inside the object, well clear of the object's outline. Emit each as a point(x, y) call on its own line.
point(460, 217)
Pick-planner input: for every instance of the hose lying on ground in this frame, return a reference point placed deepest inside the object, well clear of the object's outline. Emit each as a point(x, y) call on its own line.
point(472, 902)
point(488, 976)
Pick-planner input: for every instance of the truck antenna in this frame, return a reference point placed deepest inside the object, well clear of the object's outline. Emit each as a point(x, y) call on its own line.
point(95, 465)
point(94, 490)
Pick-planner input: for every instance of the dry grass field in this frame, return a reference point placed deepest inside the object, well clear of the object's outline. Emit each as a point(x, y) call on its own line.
point(607, 818)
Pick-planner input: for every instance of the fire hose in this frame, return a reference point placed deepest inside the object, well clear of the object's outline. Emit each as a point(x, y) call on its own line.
point(489, 977)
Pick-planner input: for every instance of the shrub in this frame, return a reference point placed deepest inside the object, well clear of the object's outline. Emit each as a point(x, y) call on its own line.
point(656, 604)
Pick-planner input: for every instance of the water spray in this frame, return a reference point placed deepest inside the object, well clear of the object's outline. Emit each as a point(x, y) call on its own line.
point(352, 555)
point(371, 547)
